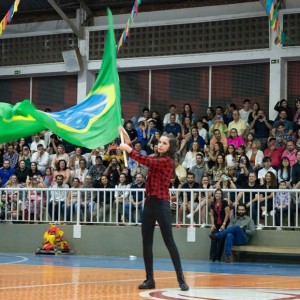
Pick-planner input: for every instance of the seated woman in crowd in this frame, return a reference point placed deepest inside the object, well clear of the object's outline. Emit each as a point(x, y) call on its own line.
point(254, 113)
point(20, 145)
point(35, 200)
point(187, 112)
point(296, 116)
point(186, 133)
point(217, 170)
point(15, 208)
point(74, 160)
point(226, 183)
point(190, 157)
point(33, 171)
point(48, 177)
point(208, 119)
point(175, 198)
point(249, 141)
point(158, 121)
point(231, 159)
point(81, 172)
point(196, 138)
point(283, 105)
point(255, 155)
point(25, 155)
point(62, 169)
point(241, 150)
point(284, 172)
point(266, 199)
point(60, 155)
point(242, 170)
point(121, 197)
point(212, 155)
point(205, 199)
point(154, 141)
point(235, 139)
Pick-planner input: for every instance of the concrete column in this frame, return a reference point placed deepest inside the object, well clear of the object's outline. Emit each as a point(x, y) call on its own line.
point(277, 84)
point(86, 78)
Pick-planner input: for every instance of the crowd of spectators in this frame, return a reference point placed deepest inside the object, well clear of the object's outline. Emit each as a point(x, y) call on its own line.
point(224, 148)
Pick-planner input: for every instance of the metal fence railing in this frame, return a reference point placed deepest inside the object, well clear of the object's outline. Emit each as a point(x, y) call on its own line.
point(125, 206)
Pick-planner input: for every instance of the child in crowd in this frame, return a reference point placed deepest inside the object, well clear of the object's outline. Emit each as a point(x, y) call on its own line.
point(281, 204)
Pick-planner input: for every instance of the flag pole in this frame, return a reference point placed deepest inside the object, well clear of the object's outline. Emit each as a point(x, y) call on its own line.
point(124, 152)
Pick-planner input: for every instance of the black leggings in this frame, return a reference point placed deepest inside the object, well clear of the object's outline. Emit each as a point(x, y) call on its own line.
point(160, 211)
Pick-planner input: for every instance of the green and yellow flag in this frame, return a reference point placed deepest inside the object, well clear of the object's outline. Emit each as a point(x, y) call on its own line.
point(92, 123)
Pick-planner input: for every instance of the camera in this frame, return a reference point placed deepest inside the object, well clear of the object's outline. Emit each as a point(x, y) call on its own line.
point(260, 117)
point(114, 164)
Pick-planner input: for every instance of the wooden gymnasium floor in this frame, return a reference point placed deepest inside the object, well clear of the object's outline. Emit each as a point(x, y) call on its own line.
point(38, 277)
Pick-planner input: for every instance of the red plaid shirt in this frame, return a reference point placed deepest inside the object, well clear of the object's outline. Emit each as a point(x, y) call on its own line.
point(160, 172)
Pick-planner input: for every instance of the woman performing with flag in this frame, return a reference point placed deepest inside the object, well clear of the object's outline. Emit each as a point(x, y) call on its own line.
point(157, 204)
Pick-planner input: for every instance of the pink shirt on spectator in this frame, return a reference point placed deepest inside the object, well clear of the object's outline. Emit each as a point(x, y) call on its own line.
point(290, 155)
point(236, 142)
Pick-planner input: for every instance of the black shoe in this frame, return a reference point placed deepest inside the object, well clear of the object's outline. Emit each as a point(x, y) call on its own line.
point(182, 284)
point(147, 284)
point(184, 287)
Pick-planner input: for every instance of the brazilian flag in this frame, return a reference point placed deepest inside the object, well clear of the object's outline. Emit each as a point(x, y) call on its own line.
point(92, 123)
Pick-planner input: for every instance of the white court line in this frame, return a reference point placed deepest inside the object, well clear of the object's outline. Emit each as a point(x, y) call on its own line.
point(23, 258)
point(74, 283)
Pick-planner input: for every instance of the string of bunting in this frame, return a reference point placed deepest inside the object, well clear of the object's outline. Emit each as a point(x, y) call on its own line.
point(130, 21)
point(9, 15)
point(272, 8)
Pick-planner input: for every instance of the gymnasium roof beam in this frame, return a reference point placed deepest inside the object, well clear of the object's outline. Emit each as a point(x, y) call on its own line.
point(66, 19)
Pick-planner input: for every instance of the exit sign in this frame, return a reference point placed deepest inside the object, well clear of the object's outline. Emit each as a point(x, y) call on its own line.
point(275, 61)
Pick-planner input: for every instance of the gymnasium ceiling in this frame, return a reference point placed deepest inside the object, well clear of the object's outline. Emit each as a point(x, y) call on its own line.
point(42, 10)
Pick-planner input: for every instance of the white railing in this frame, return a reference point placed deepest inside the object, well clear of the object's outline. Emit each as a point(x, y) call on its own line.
point(98, 206)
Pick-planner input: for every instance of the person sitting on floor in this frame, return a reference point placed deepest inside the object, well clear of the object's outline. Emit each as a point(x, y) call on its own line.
point(238, 232)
